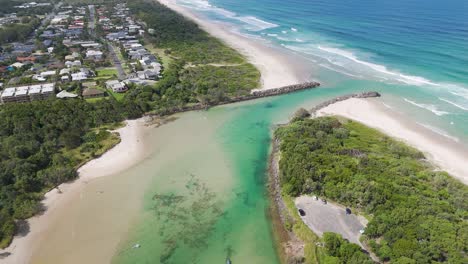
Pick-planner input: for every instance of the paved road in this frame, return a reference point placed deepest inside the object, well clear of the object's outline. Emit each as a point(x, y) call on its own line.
point(330, 218)
point(92, 20)
point(117, 62)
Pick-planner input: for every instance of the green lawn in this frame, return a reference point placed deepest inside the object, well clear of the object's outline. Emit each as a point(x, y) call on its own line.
point(165, 59)
point(106, 73)
point(118, 96)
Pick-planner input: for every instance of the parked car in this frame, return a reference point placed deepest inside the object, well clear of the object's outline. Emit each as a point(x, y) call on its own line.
point(324, 201)
point(348, 211)
point(301, 212)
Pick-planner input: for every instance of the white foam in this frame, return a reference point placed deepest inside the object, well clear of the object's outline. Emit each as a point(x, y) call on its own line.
point(439, 131)
point(408, 79)
point(294, 29)
point(458, 91)
point(284, 32)
point(339, 71)
point(256, 24)
point(272, 35)
point(429, 107)
point(454, 104)
point(386, 105)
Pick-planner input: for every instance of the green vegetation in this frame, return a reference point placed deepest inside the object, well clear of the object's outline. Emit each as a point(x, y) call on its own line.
point(417, 214)
point(312, 252)
point(43, 143)
point(182, 37)
point(198, 69)
point(41, 146)
point(18, 31)
point(105, 74)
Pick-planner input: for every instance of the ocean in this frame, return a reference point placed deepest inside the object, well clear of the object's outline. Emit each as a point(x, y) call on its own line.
point(414, 51)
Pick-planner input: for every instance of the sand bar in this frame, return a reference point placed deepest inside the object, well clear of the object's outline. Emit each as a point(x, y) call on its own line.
point(128, 152)
point(443, 152)
point(277, 68)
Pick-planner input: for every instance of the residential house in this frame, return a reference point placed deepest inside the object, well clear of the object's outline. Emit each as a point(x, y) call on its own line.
point(79, 76)
point(95, 55)
point(116, 86)
point(48, 74)
point(17, 65)
point(64, 94)
point(26, 59)
point(92, 93)
point(8, 95)
point(75, 63)
point(21, 94)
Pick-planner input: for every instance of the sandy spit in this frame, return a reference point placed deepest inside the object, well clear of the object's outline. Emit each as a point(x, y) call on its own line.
point(443, 152)
point(128, 152)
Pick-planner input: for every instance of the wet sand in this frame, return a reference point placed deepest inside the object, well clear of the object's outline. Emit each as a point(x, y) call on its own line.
point(129, 151)
point(95, 220)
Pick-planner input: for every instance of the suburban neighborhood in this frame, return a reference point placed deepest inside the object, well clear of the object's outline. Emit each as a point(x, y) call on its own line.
point(74, 51)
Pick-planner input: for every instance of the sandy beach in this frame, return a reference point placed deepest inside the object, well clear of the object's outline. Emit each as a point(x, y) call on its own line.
point(277, 69)
point(443, 152)
point(128, 152)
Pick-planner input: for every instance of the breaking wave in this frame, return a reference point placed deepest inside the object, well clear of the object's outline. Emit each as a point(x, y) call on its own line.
point(429, 107)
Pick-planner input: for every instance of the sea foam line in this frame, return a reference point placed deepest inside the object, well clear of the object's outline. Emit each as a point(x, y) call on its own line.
point(408, 79)
point(454, 104)
point(429, 107)
point(257, 23)
point(439, 132)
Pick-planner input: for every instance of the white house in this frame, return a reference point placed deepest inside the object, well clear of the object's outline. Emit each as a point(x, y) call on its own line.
point(94, 54)
point(47, 74)
point(79, 76)
point(116, 86)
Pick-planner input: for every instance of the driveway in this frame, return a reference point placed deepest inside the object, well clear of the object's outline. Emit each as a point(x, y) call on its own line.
point(117, 63)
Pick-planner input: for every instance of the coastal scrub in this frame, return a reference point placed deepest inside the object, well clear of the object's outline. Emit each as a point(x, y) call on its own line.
point(416, 213)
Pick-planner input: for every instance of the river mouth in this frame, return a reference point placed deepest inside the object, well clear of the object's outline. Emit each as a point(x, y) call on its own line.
point(199, 197)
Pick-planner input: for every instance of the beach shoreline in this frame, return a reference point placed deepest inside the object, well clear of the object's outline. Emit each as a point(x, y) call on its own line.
point(122, 156)
point(443, 153)
point(277, 68)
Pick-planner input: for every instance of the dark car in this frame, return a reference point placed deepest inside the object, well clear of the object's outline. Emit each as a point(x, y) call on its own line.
point(324, 201)
point(301, 212)
point(348, 211)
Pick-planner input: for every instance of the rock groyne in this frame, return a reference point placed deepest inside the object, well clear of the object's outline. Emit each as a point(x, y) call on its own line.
point(316, 108)
point(255, 94)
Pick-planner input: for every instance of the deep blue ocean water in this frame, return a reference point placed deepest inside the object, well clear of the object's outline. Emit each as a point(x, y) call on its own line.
point(416, 51)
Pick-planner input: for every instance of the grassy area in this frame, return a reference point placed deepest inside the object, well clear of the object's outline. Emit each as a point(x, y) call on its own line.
point(118, 96)
point(312, 252)
point(104, 140)
point(106, 74)
point(165, 58)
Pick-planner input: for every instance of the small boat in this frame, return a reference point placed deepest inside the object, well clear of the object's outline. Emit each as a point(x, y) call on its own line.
point(136, 246)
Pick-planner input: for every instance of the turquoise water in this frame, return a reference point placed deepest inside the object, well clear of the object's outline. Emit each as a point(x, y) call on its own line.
point(418, 49)
point(208, 198)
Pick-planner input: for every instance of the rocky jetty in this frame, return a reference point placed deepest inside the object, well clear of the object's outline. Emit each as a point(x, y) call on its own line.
point(283, 90)
point(342, 98)
point(255, 94)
